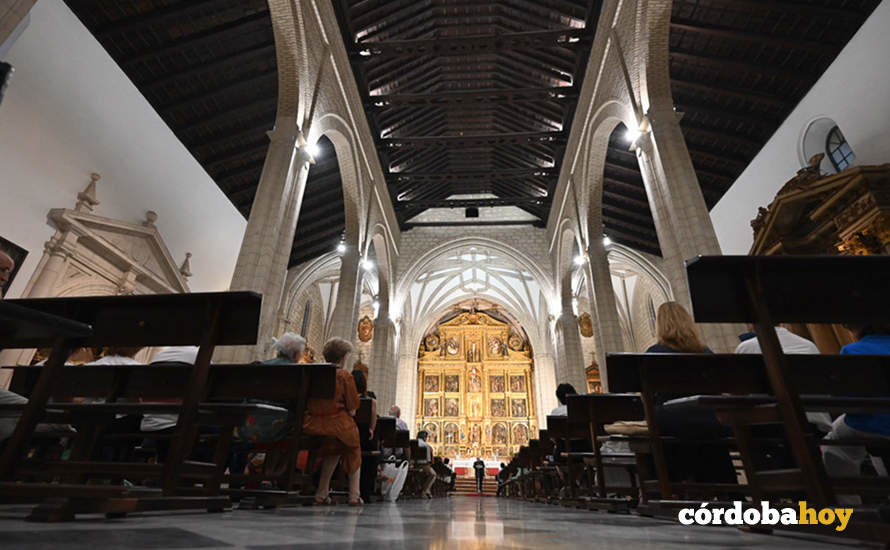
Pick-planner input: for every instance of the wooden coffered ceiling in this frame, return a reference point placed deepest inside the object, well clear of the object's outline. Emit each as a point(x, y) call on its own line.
point(471, 97)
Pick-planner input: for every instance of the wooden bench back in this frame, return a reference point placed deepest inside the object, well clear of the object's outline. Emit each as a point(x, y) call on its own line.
point(559, 427)
point(795, 289)
point(168, 380)
point(699, 373)
point(603, 408)
point(148, 320)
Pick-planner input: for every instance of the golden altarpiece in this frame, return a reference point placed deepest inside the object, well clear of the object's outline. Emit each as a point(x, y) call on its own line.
point(843, 214)
point(475, 387)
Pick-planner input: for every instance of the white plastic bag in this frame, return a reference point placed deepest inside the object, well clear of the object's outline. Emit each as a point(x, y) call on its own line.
point(393, 480)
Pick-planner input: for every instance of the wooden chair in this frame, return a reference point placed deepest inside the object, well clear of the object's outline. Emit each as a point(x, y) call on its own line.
point(206, 319)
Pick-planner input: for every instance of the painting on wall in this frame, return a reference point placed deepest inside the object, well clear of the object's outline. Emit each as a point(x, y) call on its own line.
point(518, 406)
point(496, 384)
point(430, 407)
point(452, 406)
point(452, 383)
point(431, 383)
point(498, 408)
point(18, 255)
point(517, 384)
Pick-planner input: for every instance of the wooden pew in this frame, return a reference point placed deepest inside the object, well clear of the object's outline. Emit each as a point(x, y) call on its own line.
point(572, 442)
point(207, 320)
point(596, 411)
point(226, 385)
point(801, 289)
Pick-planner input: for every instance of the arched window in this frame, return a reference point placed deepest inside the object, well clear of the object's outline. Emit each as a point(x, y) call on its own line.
point(839, 152)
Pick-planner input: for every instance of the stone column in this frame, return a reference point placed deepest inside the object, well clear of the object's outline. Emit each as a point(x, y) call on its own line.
point(265, 250)
point(570, 360)
point(678, 208)
point(607, 326)
point(545, 386)
point(344, 320)
point(406, 380)
point(382, 364)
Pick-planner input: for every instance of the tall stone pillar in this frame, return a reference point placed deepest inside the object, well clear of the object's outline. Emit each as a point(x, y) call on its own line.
point(265, 250)
point(383, 357)
point(344, 321)
point(607, 328)
point(406, 380)
point(570, 359)
point(678, 208)
point(545, 386)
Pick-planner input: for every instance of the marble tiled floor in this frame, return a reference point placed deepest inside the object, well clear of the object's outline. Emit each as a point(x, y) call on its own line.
point(453, 523)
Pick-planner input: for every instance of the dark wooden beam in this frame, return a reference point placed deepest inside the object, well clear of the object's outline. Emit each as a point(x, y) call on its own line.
point(471, 175)
point(481, 223)
point(472, 140)
point(749, 96)
point(265, 49)
point(475, 96)
point(244, 84)
point(213, 35)
point(775, 41)
point(159, 16)
point(733, 66)
point(469, 45)
point(478, 203)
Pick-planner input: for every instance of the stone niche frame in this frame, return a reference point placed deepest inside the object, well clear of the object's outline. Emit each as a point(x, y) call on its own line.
point(91, 255)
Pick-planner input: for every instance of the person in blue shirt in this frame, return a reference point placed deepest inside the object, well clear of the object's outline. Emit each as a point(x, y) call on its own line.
point(847, 461)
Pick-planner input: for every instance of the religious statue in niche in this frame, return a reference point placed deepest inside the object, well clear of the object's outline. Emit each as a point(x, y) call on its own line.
point(518, 406)
point(432, 342)
point(474, 382)
point(452, 383)
point(494, 346)
point(431, 383)
point(365, 329)
point(433, 432)
point(517, 384)
point(473, 355)
point(499, 434)
point(475, 434)
point(430, 407)
point(585, 323)
point(452, 406)
point(496, 383)
point(474, 404)
point(487, 435)
point(452, 434)
point(520, 434)
point(498, 408)
point(516, 342)
point(452, 346)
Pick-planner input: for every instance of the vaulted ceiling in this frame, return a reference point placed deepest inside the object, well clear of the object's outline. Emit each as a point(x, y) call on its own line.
point(470, 97)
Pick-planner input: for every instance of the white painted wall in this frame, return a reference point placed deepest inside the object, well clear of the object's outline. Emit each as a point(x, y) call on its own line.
point(70, 111)
point(854, 92)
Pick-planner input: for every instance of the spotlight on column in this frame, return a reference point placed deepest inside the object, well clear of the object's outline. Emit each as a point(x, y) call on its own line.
point(631, 135)
point(606, 240)
point(367, 265)
point(579, 260)
point(341, 248)
point(314, 150)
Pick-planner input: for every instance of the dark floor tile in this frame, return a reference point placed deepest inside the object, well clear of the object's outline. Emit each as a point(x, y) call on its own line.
point(91, 539)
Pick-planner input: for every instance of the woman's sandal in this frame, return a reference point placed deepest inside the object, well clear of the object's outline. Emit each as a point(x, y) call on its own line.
point(323, 501)
point(356, 502)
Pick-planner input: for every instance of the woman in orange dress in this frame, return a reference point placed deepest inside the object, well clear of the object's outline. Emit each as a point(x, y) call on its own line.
point(334, 418)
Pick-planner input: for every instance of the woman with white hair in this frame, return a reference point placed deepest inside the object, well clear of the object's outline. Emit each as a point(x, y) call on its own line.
point(289, 348)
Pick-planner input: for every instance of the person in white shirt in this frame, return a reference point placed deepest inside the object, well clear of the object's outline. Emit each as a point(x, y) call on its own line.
point(185, 355)
point(397, 413)
point(123, 424)
point(790, 342)
point(562, 391)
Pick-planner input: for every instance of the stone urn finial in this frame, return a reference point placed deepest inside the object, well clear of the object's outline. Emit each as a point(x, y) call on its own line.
point(150, 218)
point(186, 268)
point(86, 199)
